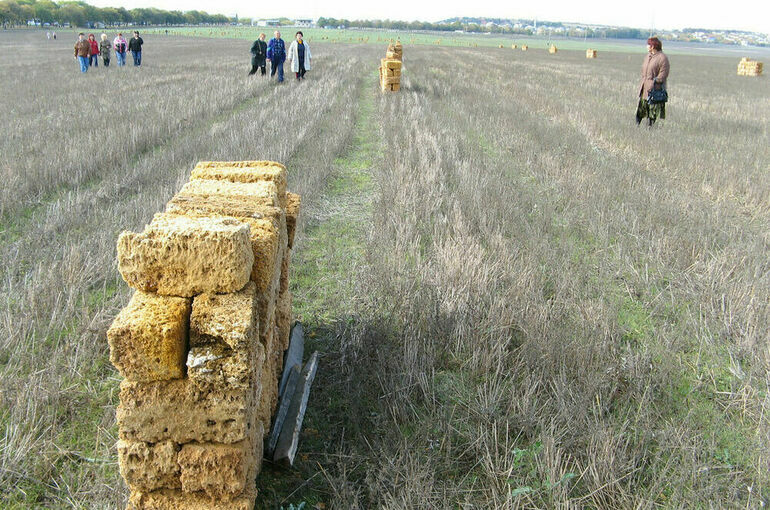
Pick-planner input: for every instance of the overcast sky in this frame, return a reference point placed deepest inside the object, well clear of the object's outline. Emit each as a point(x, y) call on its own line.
point(732, 14)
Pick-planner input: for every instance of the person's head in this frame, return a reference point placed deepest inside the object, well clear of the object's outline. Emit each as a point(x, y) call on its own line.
point(120, 34)
point(81, 35)
point(262, 36)
point(298, 35)
point(136, 34)
point(91, 37)
point(104, 37)
point(654, 44)
point(277, 34)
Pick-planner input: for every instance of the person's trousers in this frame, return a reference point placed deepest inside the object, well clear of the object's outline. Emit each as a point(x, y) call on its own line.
point(260, 67)
point(137, 57)
point(83, 64)
point(93, 60)
point(301, 73)
point(106, 61)
point(276, 66)
point(121, 58)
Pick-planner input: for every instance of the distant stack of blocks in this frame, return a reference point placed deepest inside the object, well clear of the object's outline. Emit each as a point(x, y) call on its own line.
point(553, 49)
point(201, 342)
point(748, 67)
point(390, 68)
point(591, 53)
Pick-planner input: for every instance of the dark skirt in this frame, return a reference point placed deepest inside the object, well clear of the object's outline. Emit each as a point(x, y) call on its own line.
point(650, 111)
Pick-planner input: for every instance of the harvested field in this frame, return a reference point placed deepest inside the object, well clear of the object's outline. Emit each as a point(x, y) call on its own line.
point(521, 299)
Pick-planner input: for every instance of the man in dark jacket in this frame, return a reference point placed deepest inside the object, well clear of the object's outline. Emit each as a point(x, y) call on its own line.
point(276, 54)
point(258, 55)
point(135, 47)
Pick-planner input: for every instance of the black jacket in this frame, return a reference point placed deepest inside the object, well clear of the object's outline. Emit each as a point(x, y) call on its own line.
point(135, 44)
point(258, 53)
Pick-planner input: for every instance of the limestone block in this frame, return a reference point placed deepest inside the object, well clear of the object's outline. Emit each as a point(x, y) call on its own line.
point(182, 256)
point(205, 203)
point(148, 338)
point(227, 319)
point(222, 471)
point(293, 202)
point(215, 366)
point(386, 63)
point(149, 466)
point(169, 499)
point(179, 411)
point(225, 350)
point(265, 191)
point(285, 268)
point(283, 320)
point(269, 386)
point(267, 240)
point(244, 171)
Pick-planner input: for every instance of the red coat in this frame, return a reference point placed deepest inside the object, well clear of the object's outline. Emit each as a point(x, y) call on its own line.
point(94, 47)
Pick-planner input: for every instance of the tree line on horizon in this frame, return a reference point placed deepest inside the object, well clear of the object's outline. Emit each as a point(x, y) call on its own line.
point(80, 14)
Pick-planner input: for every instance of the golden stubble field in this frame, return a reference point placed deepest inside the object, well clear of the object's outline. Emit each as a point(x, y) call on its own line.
point(522, 299)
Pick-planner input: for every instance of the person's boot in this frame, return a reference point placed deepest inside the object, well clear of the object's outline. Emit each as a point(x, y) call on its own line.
point(651, 122)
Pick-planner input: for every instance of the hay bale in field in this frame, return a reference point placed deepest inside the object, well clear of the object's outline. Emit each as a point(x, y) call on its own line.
point(591, 53)
point(500, 46)
point(524, 47)
point(748, 67)
point(552, 49)
point(514, 46)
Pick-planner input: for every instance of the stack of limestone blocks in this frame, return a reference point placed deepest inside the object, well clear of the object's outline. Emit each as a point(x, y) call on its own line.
point(748, 67)
point(591, 53)
point(390, 68)
point(553, 49)
point(201, 342)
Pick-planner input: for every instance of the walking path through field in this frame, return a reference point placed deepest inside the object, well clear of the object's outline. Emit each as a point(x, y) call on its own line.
point(328, 258)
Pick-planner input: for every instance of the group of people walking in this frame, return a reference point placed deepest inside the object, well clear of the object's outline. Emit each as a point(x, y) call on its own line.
point(275, 52)
point(88, 51)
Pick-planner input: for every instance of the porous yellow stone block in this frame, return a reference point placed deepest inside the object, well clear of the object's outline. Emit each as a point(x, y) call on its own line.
point(244, 171)
point(285, 270)
point(179, 411)
point(266, 191)
point(387, 63)
point(222, 471)
point(183, 256)
point(225, 351)
point(148, 338)
point(293, 203)
point(227, 319)
point(149, 466)
point(268, 386)
point(268, 238)
point(206, 204)
point(170, 499)
point(283, 320)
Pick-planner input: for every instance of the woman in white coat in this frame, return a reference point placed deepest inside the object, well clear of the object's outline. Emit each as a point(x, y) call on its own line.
point(299, 56)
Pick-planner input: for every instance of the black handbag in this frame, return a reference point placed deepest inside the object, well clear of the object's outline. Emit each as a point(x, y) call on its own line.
point(657, 96)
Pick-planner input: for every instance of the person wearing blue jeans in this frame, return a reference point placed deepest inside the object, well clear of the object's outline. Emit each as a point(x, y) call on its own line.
point(120, 46)
point(82, 52)
point(135, 47)
point(276, 54)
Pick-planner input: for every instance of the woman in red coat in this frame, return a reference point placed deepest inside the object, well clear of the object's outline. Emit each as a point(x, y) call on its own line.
point(654, 75)
point(93, 58)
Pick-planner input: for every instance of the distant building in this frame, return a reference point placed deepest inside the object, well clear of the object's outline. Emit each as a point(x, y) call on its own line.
point(304, 23)
point(268, 23)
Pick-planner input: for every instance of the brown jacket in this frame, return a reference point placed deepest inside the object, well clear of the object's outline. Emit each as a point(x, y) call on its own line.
point(82, 48)
point(654, 68)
